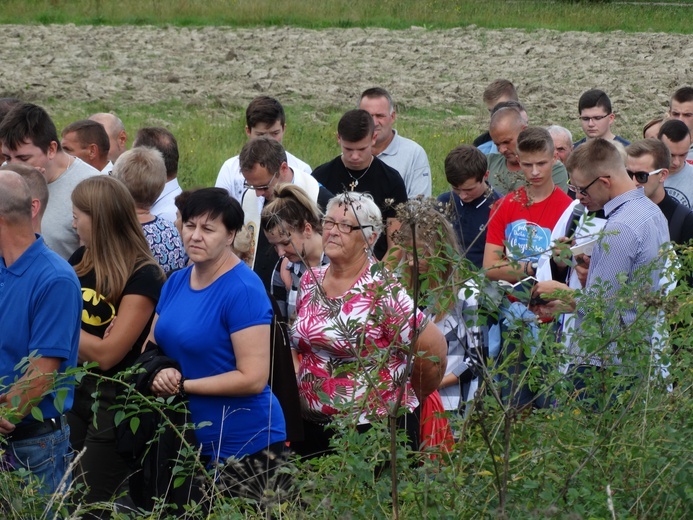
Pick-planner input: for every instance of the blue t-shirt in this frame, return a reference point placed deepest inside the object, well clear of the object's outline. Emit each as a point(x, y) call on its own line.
point(40, 310)
point(194, 328)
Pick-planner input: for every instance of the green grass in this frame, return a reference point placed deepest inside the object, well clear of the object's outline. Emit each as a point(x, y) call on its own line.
point(594, 15)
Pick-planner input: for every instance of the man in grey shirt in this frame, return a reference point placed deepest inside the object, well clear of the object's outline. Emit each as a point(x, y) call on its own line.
point(29, 136)
point(402, 154)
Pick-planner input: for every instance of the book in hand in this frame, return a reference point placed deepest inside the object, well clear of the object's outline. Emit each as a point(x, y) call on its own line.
point(519, 291)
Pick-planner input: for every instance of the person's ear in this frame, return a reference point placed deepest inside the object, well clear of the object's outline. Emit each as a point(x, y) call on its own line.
point(35, 207)
point(247, 132)
point(92, 150)
point(663, 175)
point(52, 150)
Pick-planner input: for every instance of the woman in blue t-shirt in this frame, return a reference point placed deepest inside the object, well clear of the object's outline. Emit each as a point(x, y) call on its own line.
point(214, 318)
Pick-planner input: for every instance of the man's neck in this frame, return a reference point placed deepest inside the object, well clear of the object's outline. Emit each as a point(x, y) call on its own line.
point(14, 241)
point(538, 193)
point(658, 196)
point(379, 148)
point(512, 166)
point(609, 136)
point(58, 166)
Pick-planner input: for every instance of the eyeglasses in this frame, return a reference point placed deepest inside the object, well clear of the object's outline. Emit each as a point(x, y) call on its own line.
point(642, 177)
point(587, 119)
point(263, 187)
point(583, 191)
point(329, 224)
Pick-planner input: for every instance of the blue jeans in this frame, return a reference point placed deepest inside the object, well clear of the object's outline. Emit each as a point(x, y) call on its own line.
point(47, 457)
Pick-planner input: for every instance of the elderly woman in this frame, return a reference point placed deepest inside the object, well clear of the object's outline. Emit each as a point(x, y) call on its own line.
point(143, 172)
point(354, 328)
point(214, 318)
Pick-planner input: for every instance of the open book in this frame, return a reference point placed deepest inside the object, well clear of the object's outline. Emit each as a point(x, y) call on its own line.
point(519, 291)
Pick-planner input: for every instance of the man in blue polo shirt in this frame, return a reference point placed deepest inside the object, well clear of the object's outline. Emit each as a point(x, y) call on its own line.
point(40, 307)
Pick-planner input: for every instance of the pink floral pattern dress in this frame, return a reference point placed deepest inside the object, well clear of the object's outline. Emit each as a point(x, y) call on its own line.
point(353, 347)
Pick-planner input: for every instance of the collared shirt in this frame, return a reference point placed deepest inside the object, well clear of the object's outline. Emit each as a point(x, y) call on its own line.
point(165, 205)
point(107, 169)
point(411, 162)
point(634, 233)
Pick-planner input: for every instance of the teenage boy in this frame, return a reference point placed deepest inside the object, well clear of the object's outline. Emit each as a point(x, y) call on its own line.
point(468, 203)
point(357, 169)
point(677, 138)
point(596, 117)
point(681, 107)
point(498, 91)
point(519, 232)
point(263, 117)
point(29, 136)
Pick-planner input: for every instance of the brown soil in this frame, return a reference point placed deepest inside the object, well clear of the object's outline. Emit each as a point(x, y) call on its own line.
point(421, 68)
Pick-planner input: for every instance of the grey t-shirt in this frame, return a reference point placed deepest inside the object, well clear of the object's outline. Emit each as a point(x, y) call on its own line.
point(411, 162)
point(56, 226)
point(680, 185)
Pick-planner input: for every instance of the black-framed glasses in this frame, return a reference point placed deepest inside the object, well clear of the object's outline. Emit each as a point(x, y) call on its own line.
point(642, 177)
point(328, 224)
point(263, 187)
point(587, 119)
point(583, 191)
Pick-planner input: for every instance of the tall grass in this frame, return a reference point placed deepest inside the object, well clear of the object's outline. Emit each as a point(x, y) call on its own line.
point(604, 15)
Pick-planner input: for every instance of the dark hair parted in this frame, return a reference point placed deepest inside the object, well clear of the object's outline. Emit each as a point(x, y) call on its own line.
point(28, 122)
point(594, 98)
point(291, 207)
point(266, 110)
point(265, 151)
point(214, 202)
point(535, 139)
point(661, 157)
point(355, 125)
point(89, 132)
point(463, 163)
point(675, 130)
point(164, 141)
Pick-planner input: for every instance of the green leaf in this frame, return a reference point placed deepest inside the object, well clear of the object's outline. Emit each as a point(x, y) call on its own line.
point(119, 416)
point(37, 414)
point(134, 424)
point(59, 400)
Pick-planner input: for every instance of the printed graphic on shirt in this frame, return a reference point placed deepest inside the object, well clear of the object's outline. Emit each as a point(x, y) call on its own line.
point(526, 240)
point(678, 195)
point(97, 311)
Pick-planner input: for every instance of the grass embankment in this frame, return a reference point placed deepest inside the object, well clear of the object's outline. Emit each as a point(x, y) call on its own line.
point(585, 15)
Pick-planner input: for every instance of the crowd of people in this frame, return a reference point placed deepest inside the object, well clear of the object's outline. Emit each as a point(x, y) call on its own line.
point(280, 267)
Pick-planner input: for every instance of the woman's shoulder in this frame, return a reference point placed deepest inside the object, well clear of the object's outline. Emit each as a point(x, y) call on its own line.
point(77, 256)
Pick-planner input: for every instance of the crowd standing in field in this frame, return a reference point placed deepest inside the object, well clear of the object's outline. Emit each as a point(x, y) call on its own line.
point(274, 231)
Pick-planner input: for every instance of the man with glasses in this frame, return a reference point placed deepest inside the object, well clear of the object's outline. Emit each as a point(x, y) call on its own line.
point(648, 165)
point(596, 117)
point(681, 108)
point(630, 245)
point(263, 117)
point(263, 164)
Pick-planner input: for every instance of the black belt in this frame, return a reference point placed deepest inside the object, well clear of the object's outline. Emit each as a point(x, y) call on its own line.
point(37, 429)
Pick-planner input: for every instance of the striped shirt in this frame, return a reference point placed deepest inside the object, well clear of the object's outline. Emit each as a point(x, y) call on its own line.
point(633, 236)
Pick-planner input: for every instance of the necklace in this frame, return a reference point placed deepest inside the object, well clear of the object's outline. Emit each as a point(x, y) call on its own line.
point(355, 180)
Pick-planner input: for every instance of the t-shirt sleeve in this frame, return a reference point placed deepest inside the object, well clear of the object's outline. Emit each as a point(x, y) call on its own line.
point(249, 306)
point(495, 232)
point(56, 313)
point(146, 281)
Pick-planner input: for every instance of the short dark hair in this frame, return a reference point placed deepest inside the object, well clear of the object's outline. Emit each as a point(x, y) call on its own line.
point(28, 122)
point(264, 109)
point(463, 163)
point(675, 130)
point(535, 139)
point(378, 92)
point(89, 132)
point(500, 88)
point(682, 95)
point(355, 125)
point(594, 98)
point(164, 141)
point(265, 151)
point(214, 202)
point(595, 157)
point(657, 149)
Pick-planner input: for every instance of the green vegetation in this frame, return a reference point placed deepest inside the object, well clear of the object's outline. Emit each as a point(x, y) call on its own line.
point(587, 15)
